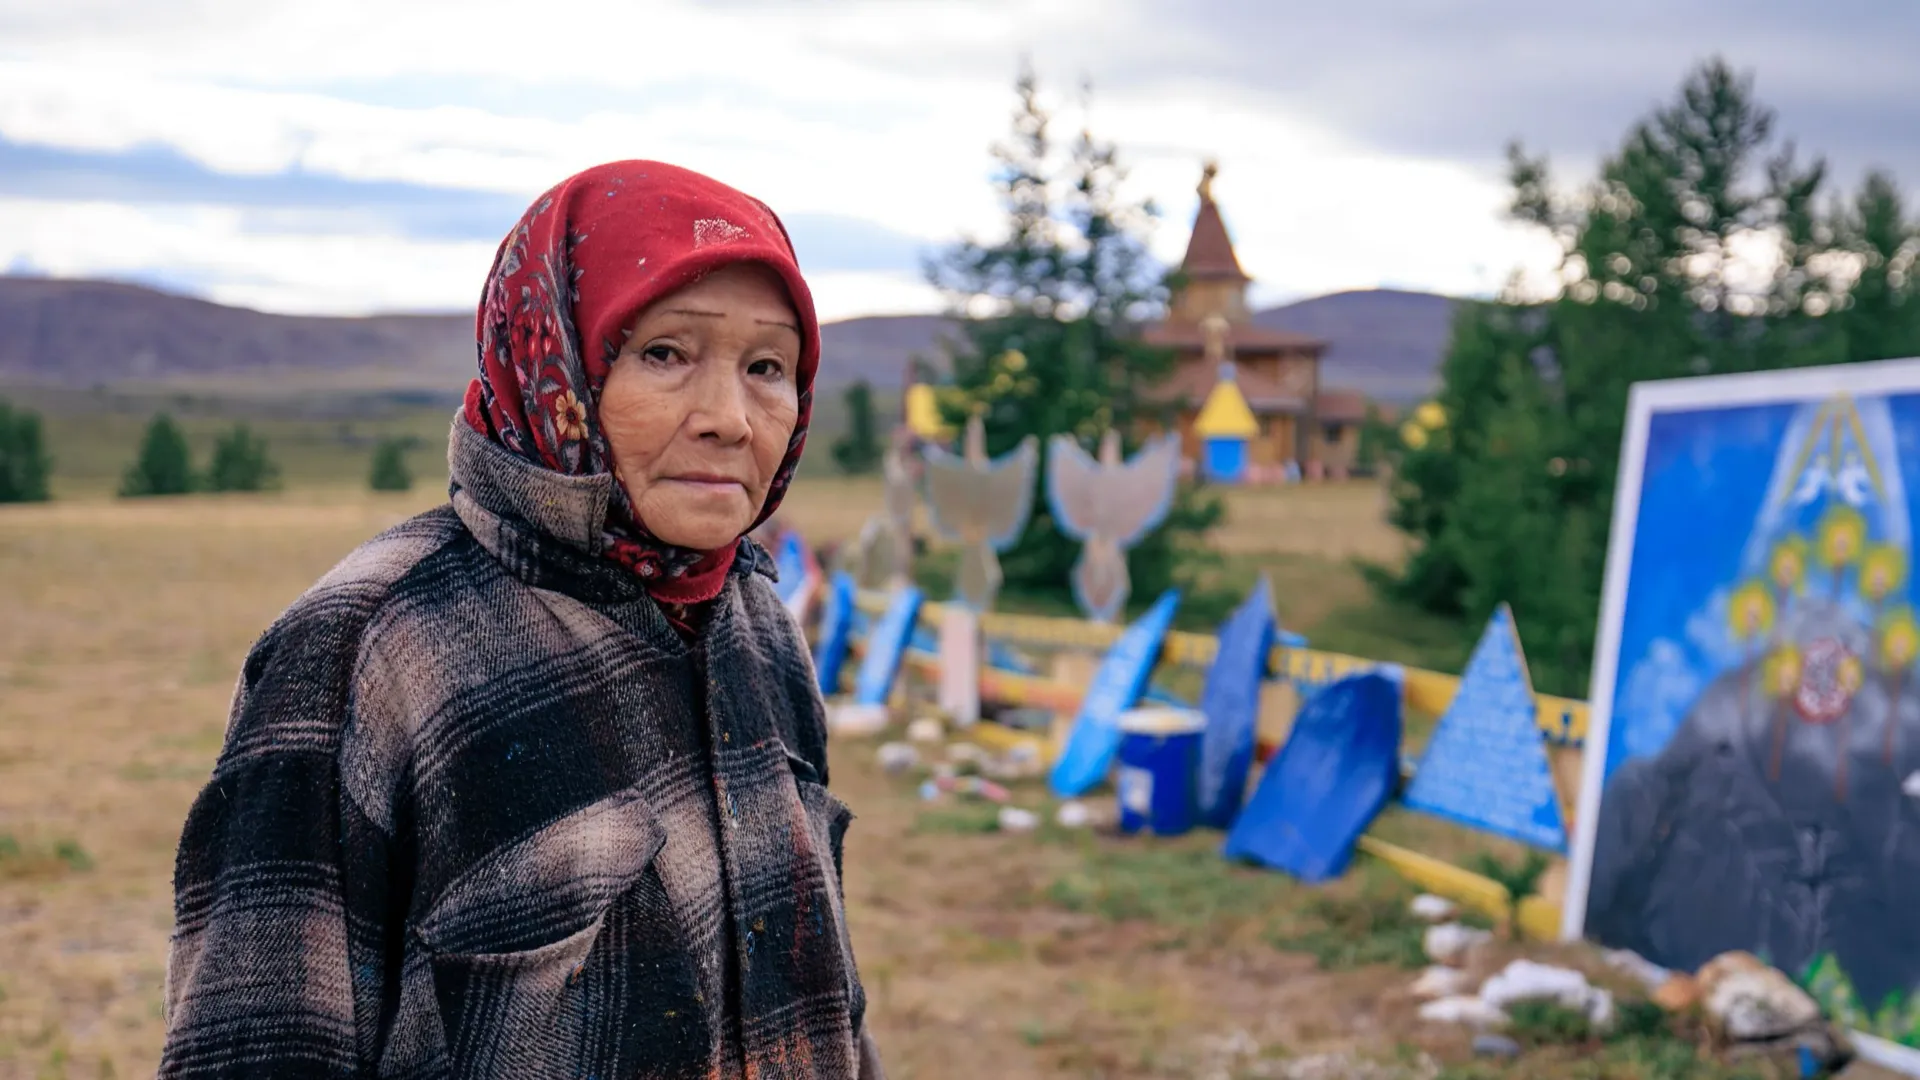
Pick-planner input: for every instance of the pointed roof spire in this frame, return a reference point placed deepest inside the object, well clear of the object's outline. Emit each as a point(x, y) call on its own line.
point(1210, 251)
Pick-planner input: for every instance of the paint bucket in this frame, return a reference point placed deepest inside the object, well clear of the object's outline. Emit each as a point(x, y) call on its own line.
point(1159, 751)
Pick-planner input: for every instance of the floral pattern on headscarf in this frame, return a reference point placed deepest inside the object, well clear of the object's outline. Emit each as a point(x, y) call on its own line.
point(565, 286)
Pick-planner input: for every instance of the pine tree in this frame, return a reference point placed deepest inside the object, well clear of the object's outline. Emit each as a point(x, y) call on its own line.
point(241, 463)
point(858, 451)
point(390, 472)
point(1054, 348)
point(1513, 500)
point(24, 464)
point(164, 465)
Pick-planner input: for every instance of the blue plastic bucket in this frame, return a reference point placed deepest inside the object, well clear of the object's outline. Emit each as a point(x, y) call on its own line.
point(1159, 753)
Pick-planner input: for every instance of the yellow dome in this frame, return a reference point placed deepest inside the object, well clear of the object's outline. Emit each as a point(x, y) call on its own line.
point(1225, 414)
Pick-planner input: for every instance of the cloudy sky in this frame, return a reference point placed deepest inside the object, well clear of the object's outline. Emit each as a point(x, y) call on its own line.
point(354, 156)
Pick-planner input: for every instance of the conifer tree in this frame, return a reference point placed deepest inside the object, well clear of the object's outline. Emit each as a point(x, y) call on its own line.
point(859, 450)
point(24, 464)
point(241, 463)
point(389, 471)
point(164, 465)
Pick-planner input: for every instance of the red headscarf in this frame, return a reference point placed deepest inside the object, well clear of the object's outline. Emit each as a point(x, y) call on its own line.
point(566, 284)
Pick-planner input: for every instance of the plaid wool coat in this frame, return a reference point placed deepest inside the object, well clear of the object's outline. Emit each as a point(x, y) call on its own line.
point(482, 813)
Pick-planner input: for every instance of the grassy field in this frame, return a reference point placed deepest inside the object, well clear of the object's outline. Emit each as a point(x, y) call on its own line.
point(986, 954)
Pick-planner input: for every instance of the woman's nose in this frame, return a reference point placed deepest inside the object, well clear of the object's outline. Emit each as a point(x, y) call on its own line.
point(720, 408)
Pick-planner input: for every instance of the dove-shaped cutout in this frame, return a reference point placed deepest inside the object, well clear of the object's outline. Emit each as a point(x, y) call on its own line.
point(981, 504)
point(1109, 506)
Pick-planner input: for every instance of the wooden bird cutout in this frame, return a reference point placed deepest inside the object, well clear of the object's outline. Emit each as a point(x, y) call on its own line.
point(1109, 506)
point(980, 503)
point(885, 558)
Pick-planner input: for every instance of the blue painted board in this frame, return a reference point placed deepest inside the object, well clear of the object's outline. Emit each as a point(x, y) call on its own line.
point(1325, 786)
point(836, 632)
point(886, 645)
point(790, 562)
point(1231, 702)
point(1486, 766)
point(1095, 735)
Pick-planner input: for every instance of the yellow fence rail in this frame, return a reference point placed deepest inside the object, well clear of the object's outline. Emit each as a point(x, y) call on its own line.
point(1562, 720)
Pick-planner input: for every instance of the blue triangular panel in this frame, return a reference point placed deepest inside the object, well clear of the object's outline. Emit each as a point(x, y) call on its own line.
point(1486, 766)
point(1095, 735)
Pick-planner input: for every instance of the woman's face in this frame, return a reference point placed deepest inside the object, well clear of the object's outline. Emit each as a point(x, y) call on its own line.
point(699, 405)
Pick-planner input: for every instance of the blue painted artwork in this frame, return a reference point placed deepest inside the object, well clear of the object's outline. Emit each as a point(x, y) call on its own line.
point(1095, 734)
point(1338, 768)
point(1230, 700)
point(1486, 765)
point(836, 630)
point(1752, 778)
point(790, 562)
point(886, 645)
point(1226, 460)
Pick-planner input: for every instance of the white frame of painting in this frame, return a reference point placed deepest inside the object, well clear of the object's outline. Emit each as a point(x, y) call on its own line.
point(1673, 395)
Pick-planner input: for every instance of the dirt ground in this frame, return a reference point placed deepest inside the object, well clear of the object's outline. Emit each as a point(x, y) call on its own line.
point(985, 954)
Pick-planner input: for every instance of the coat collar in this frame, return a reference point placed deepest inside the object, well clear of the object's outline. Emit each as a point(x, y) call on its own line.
point(545, 528)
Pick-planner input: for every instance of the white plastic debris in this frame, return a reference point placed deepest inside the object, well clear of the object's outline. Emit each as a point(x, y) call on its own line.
point(1528, 980)
point(1449, 942)
point(925, 730)
point(1440, 981)
point(964, 753)
point(897, 757)
point(1434, 909)
point(1073, 815)
point(1465, 1009)
point(1014, 819)
point(847, 718)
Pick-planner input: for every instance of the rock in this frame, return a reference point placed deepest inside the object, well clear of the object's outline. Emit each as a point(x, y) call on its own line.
point(1014, 819)
point(897, 757)
point(1639, 968)
point(1434, 909)
point(847, 718)
point(1527, 980)
point(926, 730)
point(1468, 1009)
point(1679, 993)
point(1910, 787)
point(1495, 1046)
point(1450, 942)
point(1747, 1001)
point(1073, 815)
point(1441, 981)
point(965, 753)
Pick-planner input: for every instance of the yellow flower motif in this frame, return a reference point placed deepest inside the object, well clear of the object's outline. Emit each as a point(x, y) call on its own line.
point(1780, 672)
point(1843, 535)
point(1788, 563)
point(1014, 360)
point(1413, 435)
point(569, 416)
point(1899, 639)
point(1430, 416)
point(1750, 610)
point(1002, 382)
point(1851, 674)
point(1883, 570)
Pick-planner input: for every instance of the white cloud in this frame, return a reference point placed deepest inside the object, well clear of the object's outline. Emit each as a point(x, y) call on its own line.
point(852, 109)
point(1660, 689)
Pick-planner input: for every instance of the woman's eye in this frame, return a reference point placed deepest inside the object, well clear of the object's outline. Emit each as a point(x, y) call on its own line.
point(771, 369)
point(660, 354)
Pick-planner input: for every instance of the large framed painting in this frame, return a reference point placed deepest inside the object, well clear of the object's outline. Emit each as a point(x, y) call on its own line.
point(1752, 769)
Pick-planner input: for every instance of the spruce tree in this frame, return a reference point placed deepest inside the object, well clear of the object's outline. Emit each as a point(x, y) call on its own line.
point(24, 464)
point(390, 472)
point(1512, 501)
point(1052, 344)
point(164, 465)
point(859, 450)
point(241, 463)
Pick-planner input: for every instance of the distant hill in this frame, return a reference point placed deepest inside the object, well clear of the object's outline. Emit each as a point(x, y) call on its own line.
point(1385, 343)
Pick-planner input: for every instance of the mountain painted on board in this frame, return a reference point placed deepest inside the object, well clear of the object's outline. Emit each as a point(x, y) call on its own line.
point(1385, 343)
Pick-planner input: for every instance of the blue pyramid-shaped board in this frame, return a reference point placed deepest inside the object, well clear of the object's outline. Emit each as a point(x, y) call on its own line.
point(1486, 766)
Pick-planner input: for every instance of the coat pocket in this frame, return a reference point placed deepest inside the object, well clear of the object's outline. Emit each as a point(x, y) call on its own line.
point(510, 941)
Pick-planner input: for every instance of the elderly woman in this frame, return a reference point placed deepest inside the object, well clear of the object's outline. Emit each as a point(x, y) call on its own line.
point(534, 784)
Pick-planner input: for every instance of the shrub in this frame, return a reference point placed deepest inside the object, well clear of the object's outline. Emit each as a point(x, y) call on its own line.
point(164, 466)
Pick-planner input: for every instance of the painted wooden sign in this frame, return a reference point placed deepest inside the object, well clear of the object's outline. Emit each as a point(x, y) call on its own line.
point(1109, 506)
point(981, 504)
